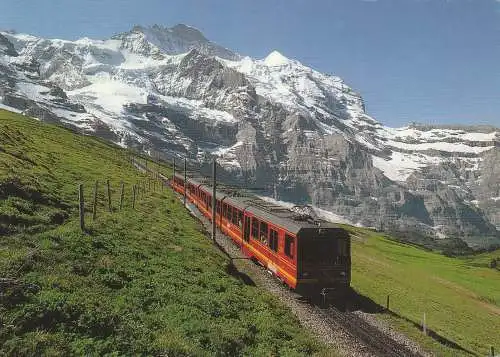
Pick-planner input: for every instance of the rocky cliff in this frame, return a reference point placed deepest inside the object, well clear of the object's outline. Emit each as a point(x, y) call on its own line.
point(273, 123)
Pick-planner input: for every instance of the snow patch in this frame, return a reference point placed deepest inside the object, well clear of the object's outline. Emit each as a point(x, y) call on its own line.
point(111, 94)
point(320, 212)
point(276, 59)
point(400, 165)
point(440, 146)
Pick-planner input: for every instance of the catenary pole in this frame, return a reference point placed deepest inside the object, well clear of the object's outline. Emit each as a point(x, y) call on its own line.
point(185, 179)
point(214, 201)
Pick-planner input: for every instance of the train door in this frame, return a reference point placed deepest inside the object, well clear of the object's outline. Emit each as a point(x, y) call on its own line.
point(246, 231)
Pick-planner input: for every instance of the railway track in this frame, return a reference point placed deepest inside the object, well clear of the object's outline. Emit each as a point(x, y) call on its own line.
point(349, 333)
point(377, 342)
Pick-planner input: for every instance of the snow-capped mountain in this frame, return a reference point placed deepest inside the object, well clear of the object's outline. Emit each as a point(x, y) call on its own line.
point(272, 122)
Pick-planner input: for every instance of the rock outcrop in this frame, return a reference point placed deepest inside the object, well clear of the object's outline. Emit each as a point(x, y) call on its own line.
point(274, 123)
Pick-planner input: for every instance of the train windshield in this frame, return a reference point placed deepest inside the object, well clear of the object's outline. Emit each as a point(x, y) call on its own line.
point(321, 251)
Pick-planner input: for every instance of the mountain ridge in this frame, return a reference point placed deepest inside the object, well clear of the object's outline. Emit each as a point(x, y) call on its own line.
point(274, 122)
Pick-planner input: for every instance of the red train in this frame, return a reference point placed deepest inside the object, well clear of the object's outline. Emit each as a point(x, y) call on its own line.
point(308, 255)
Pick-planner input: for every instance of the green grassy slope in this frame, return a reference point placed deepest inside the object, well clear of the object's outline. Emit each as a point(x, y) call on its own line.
point(139, 282)
point(460, 296)
point(487, 260)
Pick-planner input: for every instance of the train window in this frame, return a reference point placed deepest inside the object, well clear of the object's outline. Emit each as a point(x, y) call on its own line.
point(236, 213)
point(255, 228)
point(229, 213)
point(289, 243)
point(218, 207)
point(273, 240)
point(240, 219)
point(263, 232)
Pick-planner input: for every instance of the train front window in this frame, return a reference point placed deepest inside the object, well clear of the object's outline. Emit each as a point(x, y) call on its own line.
point(324, 251)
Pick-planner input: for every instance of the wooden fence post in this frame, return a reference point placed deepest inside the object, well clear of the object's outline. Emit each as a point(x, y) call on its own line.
point(121, 195)
point(492, 351)
point(387, 303)
point(424, 326)
point(109, 195)
point(133, 198)
point(82, 207)
point(94, 204)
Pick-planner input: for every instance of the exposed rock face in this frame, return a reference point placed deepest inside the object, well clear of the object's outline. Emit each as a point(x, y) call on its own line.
point(273, 123)
point(486, 189)
point(6, 47)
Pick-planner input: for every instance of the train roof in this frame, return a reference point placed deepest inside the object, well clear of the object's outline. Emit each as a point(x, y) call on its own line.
point(286, 218)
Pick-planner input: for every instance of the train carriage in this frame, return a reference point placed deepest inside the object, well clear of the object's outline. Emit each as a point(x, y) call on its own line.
point(307, 254)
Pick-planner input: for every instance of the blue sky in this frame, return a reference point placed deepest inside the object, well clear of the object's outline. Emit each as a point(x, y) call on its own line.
point(433, 61)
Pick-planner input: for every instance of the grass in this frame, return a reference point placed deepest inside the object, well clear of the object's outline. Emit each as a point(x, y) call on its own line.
point(147, 281)
point(485, 260)
point(143, 281)
point(460, 296)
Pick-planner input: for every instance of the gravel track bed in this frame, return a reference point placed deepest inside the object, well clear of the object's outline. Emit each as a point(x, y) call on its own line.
point(394, 335)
